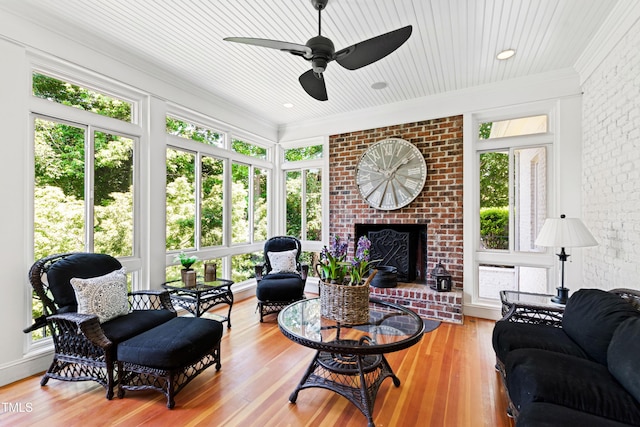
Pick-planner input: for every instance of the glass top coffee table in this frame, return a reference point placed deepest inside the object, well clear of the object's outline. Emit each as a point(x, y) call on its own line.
point(202, 297)
point(350, 358)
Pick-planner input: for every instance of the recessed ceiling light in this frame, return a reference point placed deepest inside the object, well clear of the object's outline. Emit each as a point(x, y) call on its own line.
point(287, 105)
point(506, 54)
point(379, 85)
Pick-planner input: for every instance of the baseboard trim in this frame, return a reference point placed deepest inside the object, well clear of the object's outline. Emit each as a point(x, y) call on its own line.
point(26, 367)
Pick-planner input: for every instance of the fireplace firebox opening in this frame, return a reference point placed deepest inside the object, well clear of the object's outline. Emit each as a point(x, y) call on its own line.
point(399, 245)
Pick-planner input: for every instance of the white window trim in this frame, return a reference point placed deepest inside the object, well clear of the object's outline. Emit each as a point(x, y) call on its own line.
point(92, 122)
point(228, 249)
point(321, 164)
point(473, 257)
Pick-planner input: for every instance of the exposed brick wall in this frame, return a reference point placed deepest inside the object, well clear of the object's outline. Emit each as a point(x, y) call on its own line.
point(439, 206)
point(611, 166)
point(429, 304)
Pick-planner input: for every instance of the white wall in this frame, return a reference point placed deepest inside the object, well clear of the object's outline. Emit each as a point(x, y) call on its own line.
point(14, 214)
point(610, 71)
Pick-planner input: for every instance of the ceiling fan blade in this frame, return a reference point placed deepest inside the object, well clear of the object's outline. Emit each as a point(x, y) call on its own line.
point(294, 48)
point(372, 50)
point(314, 85)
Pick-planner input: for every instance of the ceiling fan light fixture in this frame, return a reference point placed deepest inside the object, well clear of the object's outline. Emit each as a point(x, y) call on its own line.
point(319, 65)
point(505, 54)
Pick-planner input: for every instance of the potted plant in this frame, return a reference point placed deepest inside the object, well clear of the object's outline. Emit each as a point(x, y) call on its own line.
point(334, 268)
point(344, 294)
point(188, 274)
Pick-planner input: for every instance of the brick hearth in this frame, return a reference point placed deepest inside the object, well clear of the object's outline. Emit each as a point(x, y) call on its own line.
point(429, 304)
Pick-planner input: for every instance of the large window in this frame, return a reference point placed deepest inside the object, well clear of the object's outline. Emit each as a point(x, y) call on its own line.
point(181, 199)
point(304, 203)
point(217, 204)
point(303, 167)
point(303, 187)
point(512, 158)
point(84, 172)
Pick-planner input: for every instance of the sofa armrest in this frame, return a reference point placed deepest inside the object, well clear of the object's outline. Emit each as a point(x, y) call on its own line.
point(529, 307)
point(150, 300)
point(86, 330)
point(258, 269)
point(530, 313)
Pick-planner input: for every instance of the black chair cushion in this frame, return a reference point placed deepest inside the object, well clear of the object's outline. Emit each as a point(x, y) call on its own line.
point(540, 414)
point(80, 265)
point(508, 336)
point(623, 356)
point(174, 344)
point(535, 375)
point(124, 327)
point(280, 287)
point(592, 316)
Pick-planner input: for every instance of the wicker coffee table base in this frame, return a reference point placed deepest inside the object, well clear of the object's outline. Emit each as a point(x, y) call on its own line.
point(355, 377)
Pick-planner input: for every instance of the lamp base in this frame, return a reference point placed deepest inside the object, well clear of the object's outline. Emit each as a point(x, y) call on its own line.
point(562, 297)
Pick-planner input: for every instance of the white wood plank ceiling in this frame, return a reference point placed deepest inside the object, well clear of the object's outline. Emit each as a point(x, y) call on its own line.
point(453, 45)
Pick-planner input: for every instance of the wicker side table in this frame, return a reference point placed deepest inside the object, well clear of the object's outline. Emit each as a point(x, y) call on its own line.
point(202, 297)
point(527, 307)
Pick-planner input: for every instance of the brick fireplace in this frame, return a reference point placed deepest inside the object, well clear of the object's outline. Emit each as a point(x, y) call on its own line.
point(438, 208)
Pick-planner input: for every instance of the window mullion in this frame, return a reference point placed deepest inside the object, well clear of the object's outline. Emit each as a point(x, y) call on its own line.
point(198, 198)
point(513, 188)
point(89, 182)
point(303, 205)
point(251, 203)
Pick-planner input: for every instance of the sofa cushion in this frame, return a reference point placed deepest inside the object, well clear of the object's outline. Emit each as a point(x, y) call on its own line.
point(509, 336)
point(137, 321)
point(540, 414)
point(105, 296)
point(622, 357)
point(81, 265)
point(174, 344)
point(591, 317)
point(280, 287)
point(535, 375)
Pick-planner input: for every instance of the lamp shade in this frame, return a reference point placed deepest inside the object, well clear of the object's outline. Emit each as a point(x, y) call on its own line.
point(565, 232)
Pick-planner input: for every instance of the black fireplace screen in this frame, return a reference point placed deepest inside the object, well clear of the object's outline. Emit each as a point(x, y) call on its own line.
point(396, 248)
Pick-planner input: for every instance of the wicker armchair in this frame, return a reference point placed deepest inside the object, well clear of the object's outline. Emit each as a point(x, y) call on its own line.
point(85, 349)
point(281, 278)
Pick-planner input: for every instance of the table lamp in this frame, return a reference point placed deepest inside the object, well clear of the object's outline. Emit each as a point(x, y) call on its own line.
point(564, 232)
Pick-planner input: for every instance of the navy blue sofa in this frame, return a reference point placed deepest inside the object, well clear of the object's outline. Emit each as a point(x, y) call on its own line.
point(584, 370)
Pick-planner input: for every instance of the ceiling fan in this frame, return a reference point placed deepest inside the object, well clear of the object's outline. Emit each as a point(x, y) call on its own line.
point(320, 51)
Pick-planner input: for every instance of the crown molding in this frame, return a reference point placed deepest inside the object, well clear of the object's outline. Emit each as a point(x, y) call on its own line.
point(624, 16)
point(539, 87)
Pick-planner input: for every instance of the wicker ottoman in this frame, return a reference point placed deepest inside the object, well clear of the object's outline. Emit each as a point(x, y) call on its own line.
point(168, 356)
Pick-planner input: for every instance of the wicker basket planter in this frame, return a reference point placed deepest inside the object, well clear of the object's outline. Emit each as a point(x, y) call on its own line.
point(343, 303)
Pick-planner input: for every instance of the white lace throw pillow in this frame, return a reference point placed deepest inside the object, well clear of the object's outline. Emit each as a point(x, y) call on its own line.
point(105, 296)
point(283, 262)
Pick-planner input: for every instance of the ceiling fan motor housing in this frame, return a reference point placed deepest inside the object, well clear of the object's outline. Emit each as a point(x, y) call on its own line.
point(319, 4)
point(322, 50)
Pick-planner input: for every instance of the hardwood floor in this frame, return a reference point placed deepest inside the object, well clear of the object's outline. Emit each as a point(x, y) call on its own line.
point(447, 378)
